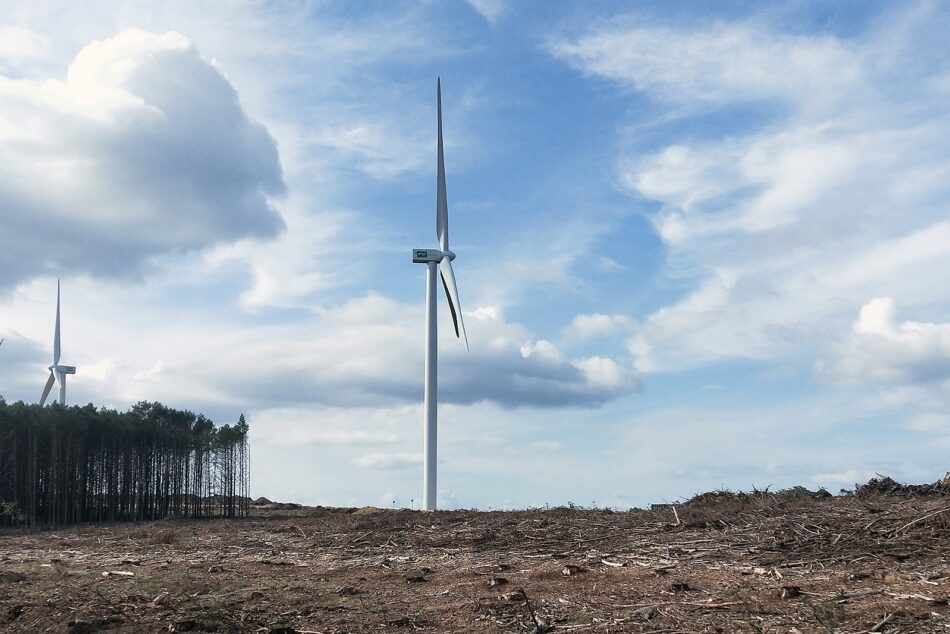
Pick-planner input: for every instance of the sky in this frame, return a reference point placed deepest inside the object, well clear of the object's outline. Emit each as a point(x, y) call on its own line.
point(700, 246)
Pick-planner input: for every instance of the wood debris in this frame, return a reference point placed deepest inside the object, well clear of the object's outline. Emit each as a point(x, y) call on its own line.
point(874, 561)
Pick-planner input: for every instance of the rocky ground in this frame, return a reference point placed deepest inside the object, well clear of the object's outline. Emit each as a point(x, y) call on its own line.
point(874, 561)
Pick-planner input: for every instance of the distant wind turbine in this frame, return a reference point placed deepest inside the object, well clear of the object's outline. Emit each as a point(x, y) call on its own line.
point(433, 258)
point(57, 372)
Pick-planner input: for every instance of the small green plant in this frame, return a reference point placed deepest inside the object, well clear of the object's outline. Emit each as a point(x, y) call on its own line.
point(797, 492)
point(11, 510)
point(420, 618)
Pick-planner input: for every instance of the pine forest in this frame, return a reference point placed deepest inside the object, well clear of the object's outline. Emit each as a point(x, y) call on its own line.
point(64, 465)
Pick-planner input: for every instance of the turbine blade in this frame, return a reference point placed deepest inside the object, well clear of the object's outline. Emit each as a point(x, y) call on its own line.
point(56, 349)
point(49, 386)
point(442, 204)
point(452, 293)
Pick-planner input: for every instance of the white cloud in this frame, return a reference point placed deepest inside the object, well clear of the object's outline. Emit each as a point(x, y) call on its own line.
point(778, 444)
point(929, 422)
point(491, 10)
point(585, 327)
point(319, 242)
point(845, 479)
point(508, 366)
point(363, 353)
point(608, 375)
point(22, 370)
point(609, 265)
point(18, 44)
point(556, 250)
point(380, 147)
point(754, 184)
point(546, 445)
point(388, 460)
point(322, 426)
point(144, 149)
point(882, 351)
point(721, 63)
point(779, 228)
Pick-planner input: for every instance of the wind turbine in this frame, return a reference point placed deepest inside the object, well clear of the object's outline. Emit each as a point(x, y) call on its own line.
point(440, 258)
point(57, 372)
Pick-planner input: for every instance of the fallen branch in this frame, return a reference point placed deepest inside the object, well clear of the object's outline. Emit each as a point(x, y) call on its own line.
point(848, 598)
point(919, 519)
point(922, 597)
point(540, 627)
point(225, 594)
point(887, 619)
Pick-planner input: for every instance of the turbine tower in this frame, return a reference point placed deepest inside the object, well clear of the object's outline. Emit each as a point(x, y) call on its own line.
point(440, 258)
point(57, 372)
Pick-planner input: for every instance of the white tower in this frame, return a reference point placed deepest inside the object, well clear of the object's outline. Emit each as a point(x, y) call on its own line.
point(440, 259)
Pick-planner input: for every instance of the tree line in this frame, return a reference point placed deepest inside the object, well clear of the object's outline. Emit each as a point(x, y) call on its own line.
point(68, 464)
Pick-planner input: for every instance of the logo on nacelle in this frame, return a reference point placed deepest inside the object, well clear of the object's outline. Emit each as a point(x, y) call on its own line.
point(424, 256)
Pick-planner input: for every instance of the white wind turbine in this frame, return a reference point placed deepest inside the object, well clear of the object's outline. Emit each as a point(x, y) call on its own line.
point(440, 258)
point(57, 372)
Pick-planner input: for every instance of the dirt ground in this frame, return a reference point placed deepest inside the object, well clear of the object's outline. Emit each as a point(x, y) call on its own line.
point(875, 561)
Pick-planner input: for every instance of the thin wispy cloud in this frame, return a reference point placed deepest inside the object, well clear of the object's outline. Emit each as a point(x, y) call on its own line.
point(491, 10)
point(388, 460)
point(719, 63)
point(767, 218)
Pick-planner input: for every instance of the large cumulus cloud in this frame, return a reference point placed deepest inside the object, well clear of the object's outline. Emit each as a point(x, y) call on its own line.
point(143, 149)
point(364, 353)
point(884, 351)
point(369, 351)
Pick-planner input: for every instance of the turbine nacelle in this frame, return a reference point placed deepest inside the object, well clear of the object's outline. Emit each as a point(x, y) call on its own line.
point(443, 259)
point(422, 256)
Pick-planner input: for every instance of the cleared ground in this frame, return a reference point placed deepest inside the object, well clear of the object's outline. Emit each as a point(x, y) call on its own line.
point(873, 562)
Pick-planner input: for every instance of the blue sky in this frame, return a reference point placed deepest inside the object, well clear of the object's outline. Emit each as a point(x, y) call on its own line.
point(696, 249)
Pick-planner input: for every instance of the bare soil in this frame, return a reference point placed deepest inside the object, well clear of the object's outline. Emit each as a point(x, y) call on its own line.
point(875, 561)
